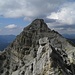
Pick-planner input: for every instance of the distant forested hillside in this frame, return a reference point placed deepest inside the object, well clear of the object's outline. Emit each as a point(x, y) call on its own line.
point(5, 40)
point(70, 37)
point(73, 40)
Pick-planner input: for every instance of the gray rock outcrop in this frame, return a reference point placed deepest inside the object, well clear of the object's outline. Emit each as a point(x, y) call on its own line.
point(38, 50)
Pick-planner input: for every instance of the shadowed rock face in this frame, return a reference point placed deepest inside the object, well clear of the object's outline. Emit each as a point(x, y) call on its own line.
point(36, 51)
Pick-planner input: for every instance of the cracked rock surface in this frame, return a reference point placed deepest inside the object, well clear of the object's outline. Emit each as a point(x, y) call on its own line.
point(38, 50)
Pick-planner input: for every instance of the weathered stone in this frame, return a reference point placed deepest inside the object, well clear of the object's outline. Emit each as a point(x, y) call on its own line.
point(38, 50)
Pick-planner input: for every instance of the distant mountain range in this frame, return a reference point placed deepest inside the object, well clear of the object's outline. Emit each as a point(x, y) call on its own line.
point(73, 40)
point(5, 40)
point(70, 37)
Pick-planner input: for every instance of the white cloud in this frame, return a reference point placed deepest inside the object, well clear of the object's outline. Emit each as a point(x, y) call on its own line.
point(71, 29)
point(58, 29)
point(66, 15)
point(68, 31)
point(11, 29)
point(64, 30)
point(60, 10)
point(11, 26)
point(28, 8)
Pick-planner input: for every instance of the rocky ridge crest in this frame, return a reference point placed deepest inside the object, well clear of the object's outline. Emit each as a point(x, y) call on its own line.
point(38, 50)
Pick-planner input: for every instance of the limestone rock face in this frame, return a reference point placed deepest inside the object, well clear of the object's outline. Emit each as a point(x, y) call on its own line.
point(38, 50)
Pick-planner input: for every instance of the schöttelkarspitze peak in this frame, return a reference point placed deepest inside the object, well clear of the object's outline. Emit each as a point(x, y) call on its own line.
point(38, 50)
point(38, 24)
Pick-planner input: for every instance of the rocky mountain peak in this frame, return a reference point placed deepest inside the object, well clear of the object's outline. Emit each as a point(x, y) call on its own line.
point(38, 50)
point(37, 24)
point(38, 21)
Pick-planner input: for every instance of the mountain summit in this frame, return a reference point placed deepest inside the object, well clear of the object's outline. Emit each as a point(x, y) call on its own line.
point(37, 24)
point(38, 50)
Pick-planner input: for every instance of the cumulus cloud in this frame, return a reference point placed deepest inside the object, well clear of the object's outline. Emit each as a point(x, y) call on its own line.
point(63, 29)
point(71, 30)
point(29, 9)
point(64, 19)
point(66, 15)
point(55, 12)
point(68, 31)
point(11, 26)
point(11, 29)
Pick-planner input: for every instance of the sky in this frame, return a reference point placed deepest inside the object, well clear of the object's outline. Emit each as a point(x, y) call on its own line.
point(17, 14)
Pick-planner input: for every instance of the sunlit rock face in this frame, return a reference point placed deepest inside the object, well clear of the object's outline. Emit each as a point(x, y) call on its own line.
point(38, 50)
point(41, 63)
